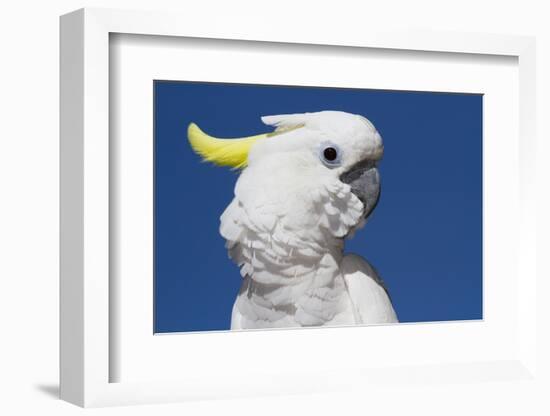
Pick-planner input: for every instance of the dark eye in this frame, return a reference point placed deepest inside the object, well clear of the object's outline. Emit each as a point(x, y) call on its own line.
point(330, 154)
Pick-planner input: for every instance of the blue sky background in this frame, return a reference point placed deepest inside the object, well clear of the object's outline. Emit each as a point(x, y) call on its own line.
point(425, 236)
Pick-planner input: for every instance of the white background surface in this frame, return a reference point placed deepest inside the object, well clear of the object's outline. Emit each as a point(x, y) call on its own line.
point(29, 208)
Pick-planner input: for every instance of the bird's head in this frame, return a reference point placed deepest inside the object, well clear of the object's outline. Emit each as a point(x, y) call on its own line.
point(314, 169)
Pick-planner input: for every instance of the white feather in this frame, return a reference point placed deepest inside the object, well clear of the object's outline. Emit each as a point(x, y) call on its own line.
point(370, 299)
point(286, 225)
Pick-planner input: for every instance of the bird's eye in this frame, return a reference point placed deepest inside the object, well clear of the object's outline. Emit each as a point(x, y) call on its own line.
point(330, 155)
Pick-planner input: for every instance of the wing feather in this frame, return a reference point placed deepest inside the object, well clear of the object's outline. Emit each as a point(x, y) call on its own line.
point(369, 297)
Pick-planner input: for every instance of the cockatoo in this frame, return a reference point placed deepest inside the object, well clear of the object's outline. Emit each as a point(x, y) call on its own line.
point(302, 190)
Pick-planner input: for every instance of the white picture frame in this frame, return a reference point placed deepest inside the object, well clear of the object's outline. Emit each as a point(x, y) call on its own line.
point(86, 292)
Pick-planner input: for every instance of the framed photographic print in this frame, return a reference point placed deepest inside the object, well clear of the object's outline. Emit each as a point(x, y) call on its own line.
point(266, 214)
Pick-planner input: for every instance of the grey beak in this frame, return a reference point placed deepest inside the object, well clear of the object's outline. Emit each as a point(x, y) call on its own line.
point(364, 180)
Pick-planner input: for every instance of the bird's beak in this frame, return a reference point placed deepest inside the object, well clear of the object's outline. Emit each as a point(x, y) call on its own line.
point(364, 180)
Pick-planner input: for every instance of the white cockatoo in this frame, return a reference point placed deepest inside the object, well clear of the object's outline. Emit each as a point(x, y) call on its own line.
point(303, 189)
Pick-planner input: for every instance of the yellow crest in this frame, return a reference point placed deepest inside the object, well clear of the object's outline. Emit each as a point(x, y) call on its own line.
point(222, 152)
